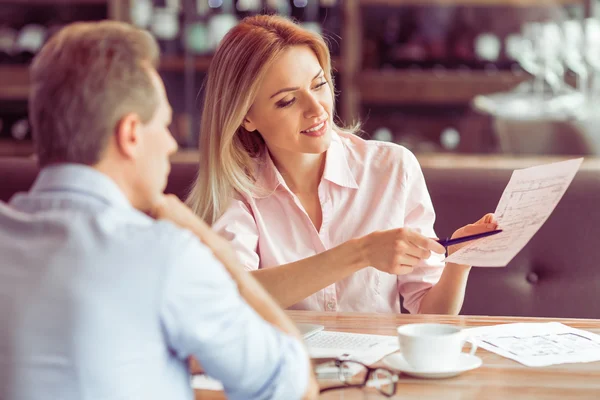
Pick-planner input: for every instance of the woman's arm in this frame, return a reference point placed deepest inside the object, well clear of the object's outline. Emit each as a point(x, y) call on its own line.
point(447, 296)
point(293, 282)
point(394, 251)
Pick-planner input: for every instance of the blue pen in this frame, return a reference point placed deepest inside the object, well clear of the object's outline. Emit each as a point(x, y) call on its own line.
point(449, 242)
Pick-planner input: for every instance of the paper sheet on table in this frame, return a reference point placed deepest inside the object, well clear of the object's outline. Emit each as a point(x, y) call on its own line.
point(528, 200)
point(353, 346)
point(365, 348)
point(538, 344)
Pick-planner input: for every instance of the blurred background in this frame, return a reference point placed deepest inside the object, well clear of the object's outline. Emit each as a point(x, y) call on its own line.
point(486, 77)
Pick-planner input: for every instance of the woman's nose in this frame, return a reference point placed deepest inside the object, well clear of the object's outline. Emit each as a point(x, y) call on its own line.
point(314, 108)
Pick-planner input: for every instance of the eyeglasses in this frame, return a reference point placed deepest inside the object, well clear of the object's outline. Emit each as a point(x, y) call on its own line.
point(354, 374)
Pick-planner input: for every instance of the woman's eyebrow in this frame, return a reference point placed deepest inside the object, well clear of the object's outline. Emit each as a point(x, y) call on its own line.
point(291, 89)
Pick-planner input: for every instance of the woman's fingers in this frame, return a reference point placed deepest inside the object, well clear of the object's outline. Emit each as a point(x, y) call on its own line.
point(488, 218)
point(408, 260)
point(418, 252)
point(425, 243)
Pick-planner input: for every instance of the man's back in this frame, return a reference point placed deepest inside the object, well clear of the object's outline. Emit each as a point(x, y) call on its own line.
point(93, 302)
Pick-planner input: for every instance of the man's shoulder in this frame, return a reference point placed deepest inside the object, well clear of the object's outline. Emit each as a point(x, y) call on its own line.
point(164, 233)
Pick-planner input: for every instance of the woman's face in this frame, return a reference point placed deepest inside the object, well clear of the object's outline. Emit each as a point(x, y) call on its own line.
point(293, 107)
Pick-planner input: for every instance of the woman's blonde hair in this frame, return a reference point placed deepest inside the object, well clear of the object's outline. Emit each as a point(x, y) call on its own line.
point(228, 152)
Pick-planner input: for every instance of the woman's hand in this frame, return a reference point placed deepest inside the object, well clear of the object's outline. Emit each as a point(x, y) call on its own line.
point(486, 223)
point(397, 251)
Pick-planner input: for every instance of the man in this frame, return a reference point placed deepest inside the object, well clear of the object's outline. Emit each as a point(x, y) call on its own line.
point(97, 299)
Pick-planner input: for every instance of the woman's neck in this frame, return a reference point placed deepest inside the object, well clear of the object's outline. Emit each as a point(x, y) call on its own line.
point(302, 172)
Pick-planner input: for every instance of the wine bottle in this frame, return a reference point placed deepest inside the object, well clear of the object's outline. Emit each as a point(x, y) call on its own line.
point(330, 17)
point(8, 37)
point(461, 41)
point(307, 12)
point(3, 132)
point(166, 27)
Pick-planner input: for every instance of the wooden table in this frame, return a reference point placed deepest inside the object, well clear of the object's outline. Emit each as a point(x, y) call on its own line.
point(497, 378)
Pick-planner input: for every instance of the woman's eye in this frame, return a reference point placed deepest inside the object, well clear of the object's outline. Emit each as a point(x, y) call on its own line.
point(320, 85)
point(283, 104)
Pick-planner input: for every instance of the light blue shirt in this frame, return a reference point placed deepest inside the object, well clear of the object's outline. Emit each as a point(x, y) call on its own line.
point(99, 301)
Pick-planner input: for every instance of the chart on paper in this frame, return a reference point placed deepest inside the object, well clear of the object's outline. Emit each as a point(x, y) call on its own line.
point(538, 344)
point(528, 200)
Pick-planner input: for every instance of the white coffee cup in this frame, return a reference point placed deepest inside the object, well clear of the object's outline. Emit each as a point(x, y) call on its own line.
point(432, 347)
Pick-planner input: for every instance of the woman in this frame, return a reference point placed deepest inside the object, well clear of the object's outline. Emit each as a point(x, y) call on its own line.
point(323, 219)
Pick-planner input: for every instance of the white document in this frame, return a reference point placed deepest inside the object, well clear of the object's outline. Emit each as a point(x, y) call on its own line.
point(538, 344)
point(528, 200)
point(353, 346)
point(367, 349)
point(206, 383)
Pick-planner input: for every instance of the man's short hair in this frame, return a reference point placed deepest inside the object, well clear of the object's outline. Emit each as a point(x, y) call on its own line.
point(84, 81)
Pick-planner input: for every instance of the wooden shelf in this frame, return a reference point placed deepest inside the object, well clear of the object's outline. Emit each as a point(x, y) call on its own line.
point(14, 148)
point(14, 82)
point(476, 3)
point(428, 87)
point(14, 79)
point(201, 63)
point(14, 93)
point(178, 63)
point(54, 2)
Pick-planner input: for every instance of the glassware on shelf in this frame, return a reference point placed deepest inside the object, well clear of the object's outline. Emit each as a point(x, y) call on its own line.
point(383, 134)
point(280, 7)
point(222, 19)
point(450, 139)
point(573, 54)
point(30, 40)
point(592, 54)
point(140, 13)
point(196, 36)
point(488, 47)
point(20, 129)
point(248, 7)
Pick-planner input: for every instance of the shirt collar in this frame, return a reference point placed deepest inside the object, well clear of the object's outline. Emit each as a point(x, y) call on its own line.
point(336, 170)
point(81, 179)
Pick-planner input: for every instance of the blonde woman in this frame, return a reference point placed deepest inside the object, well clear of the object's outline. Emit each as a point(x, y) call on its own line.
point(325, 220)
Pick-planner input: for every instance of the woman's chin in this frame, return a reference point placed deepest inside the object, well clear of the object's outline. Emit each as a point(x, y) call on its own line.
point(318, 145)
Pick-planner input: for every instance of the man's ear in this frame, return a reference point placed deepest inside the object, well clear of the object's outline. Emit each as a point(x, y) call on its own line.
point(248, 125)
point(127, 135)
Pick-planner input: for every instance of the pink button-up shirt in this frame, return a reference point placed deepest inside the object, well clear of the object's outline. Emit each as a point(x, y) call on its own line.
point(367, 186)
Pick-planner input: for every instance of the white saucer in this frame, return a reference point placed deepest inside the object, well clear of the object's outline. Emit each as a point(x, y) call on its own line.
point(467, 362)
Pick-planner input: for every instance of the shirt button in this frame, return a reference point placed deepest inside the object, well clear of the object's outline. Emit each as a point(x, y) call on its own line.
point(331, 305)
point(532, 278)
